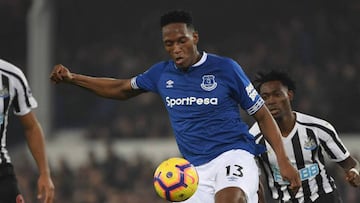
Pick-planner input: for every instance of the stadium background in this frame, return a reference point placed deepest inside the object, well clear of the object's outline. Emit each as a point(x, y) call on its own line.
point(105, 151)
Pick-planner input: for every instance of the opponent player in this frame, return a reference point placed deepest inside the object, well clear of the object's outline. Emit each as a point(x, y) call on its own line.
point(306, 138)
point(15, 92)
point(201, 92)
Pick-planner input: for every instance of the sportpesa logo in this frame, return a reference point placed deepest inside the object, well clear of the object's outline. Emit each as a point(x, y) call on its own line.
point(188, 101)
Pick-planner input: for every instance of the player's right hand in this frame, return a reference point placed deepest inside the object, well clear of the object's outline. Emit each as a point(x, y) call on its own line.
point(353, 178)
point(60, 74)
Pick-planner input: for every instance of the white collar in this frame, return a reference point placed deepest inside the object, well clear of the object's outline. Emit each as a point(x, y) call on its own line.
point(201, 61)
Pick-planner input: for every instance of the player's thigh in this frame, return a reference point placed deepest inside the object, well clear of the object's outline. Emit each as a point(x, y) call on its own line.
point(237, 169)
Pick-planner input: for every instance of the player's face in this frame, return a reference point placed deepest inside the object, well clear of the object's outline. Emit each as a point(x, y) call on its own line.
point(181, 44)
point(277, 98)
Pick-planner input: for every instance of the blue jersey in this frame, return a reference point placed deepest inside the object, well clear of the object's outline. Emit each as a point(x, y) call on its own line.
point(203, 105)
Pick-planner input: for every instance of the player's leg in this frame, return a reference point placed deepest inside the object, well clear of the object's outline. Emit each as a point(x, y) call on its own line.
point(205, 191)
point(9, 192)
point(237, 178)
point(231, 194)
point(332, 197)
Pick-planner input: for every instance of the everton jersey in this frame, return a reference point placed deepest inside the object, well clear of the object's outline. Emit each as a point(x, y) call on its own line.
point(203, 105)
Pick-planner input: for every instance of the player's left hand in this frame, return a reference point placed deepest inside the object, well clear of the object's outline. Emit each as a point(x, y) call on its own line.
point(353, 178)
point(46, 189)
point(289, 173)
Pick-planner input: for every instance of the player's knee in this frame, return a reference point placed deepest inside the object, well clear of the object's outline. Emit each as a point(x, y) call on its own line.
point(230, 195)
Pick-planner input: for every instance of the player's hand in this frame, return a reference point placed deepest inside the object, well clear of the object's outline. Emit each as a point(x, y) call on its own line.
point(290, 174)
point(60, 74)
point(353, 178)
point(46, 189)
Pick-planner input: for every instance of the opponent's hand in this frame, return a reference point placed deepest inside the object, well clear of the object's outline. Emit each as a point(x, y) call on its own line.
point(353, 178)
point(60, 74)
point(46, 189)
point(290, 174)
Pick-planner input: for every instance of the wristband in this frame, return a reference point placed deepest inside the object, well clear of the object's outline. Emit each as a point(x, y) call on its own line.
point(355, 171)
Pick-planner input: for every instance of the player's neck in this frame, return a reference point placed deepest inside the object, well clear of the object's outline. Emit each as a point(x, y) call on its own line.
point(286, 124)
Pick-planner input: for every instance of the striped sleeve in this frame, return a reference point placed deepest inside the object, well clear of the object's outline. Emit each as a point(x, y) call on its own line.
point(18, 88)
point(332, 144)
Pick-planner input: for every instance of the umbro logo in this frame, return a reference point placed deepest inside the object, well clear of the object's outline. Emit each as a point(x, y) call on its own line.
point(169, 84)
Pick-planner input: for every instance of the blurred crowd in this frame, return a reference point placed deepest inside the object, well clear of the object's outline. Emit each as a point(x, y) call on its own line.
point(117, 180)
point(318, 42)
point(319, 45)
point(109, 180)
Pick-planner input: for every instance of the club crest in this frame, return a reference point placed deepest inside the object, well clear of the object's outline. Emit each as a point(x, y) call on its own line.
point(310, 144)
point(208, 82)
point(4, 93)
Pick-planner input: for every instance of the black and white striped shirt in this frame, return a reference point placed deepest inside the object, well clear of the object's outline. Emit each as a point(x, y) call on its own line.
point(305, 147)
point(14, 92)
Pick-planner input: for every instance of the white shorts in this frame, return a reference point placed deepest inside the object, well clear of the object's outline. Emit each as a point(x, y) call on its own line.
point(234, 168)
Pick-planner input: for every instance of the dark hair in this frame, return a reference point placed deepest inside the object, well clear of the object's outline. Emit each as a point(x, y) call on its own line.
point(177, 16)
point(274, 75)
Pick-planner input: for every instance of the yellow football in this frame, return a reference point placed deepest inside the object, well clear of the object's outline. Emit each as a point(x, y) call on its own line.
point(175, 179)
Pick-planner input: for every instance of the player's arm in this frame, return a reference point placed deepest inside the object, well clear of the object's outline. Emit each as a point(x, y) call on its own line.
point(36, 143)
point(350, 165)
point(105, 87)
point(352, 168)
point(272, 134)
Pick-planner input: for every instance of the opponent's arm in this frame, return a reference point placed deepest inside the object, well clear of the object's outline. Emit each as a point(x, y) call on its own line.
point(36, 143)
point(105, 87)
point(272, 134)
point(350, 165)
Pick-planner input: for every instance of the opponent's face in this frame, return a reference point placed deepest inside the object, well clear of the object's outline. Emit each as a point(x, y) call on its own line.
point(181, 44)
point(277, 98)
